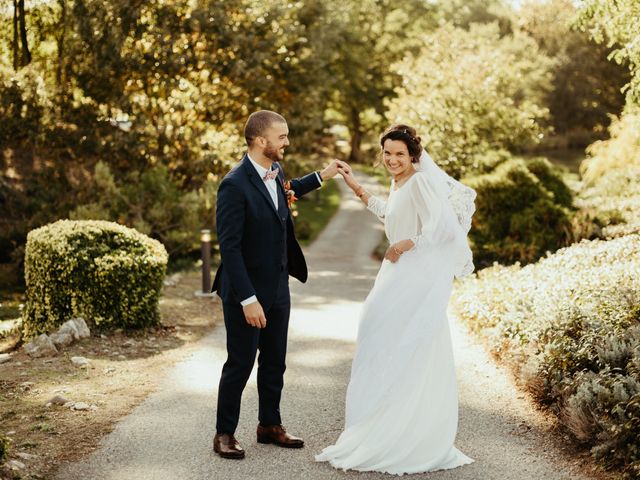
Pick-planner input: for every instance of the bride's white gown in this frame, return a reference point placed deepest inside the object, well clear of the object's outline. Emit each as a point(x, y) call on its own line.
point(402, 399)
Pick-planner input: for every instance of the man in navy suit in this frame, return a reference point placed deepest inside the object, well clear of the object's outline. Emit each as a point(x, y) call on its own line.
point(259, 251)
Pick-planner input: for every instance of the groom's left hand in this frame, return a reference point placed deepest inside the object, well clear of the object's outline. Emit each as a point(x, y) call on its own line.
point(332, 169)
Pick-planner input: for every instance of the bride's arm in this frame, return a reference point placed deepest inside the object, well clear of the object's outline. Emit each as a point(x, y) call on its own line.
point(374, 204)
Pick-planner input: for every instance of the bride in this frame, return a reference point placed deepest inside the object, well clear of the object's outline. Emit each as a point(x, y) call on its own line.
point(402, 405)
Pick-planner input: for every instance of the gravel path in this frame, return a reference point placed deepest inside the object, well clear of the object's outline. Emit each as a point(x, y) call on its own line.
point(169, 436)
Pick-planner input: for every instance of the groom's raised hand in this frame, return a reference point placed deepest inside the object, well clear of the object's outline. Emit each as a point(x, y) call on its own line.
point(254, 315)
point(333, 169)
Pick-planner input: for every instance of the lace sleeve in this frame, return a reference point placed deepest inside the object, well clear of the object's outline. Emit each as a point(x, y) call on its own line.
point(377, 206)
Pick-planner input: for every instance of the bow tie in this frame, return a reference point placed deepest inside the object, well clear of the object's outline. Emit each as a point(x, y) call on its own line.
point(271, 174)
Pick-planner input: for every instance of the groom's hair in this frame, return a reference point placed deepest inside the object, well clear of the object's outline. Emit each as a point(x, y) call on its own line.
point(258, 122)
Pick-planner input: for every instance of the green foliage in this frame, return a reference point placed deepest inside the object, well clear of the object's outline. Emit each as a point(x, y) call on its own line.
point(570, 327)
point(152, 203)
point(612, 176)
point(616, 23)
point(523, 210)
point(586, 86)
point(472, 91)
point(110, 274)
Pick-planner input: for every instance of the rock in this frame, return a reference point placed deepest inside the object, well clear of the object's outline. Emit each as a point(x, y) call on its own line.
point(81, 406)
point(5, 357)
point(69, 327)
point(57, 400)
point(83, 329)
point(109, 370)
point(80, 361)
point(15, 465)
point(62, 339)
point(26, 456)
point(121, 357)
point(41, 346)
point(129, 343)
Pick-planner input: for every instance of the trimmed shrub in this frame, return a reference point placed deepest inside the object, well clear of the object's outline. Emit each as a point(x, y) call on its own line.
point(569, 326)
point(523, 211)
point(110, 274)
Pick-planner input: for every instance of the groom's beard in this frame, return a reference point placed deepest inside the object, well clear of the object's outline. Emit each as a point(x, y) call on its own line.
point(272, 153)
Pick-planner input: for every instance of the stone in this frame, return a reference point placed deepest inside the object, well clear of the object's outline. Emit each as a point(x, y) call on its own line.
point(69, 327)
point(81, 406)
point(80, 361)
point(41, 346)
point(15, 465)
point(109, 370)
point(61, 339)
point(83, 329)
point(5, 357)
point(57, 400)
point(26, 456)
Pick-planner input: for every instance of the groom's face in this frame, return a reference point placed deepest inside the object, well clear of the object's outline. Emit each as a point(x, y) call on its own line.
point(277, 139)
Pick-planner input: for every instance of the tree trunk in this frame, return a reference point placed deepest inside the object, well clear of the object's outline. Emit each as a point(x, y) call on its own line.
point(14, 44)
point(60, 67)
point(356, 137)
point(26, 54)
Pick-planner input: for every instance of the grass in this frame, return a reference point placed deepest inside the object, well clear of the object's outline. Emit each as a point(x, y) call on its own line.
point(315, 210)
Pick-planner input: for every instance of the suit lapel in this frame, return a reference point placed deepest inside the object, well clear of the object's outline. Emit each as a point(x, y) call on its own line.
point(259, 184)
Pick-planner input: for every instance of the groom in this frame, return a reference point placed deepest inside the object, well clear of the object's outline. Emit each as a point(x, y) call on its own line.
point(259, 251)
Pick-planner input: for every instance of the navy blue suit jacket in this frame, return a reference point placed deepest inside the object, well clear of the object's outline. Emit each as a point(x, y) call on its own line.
point(253, 236)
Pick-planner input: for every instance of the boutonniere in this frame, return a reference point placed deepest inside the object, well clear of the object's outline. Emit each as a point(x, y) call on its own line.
point(291, 196)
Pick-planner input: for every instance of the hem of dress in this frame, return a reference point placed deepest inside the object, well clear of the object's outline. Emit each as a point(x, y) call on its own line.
point(464, 462)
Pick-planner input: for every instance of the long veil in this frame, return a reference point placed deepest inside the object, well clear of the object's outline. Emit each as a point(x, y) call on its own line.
point(457, 199)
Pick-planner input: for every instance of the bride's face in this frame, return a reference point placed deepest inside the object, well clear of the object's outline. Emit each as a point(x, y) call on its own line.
point(396, 157)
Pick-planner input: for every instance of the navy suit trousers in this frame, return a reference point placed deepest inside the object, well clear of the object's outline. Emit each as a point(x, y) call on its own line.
point(243, 344)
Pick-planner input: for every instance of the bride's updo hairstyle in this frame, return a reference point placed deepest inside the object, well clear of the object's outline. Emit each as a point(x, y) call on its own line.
point(405, 134)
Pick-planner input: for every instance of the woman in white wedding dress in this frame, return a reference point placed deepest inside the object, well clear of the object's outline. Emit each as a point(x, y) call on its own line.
point(402, 399)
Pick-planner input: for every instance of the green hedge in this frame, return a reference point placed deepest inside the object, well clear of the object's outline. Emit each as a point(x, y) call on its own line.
point(523, 210)
point(110, 274)
point(570, 327)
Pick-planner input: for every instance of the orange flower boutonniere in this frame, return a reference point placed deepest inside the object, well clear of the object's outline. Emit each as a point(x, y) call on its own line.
point(291, 196)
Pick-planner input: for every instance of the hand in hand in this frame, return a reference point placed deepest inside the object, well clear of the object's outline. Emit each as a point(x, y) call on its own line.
point(347, 173)
point(254, 315)
point(332, 169)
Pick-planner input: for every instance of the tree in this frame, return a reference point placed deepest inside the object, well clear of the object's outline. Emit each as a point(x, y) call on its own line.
point(616, 24)
point(473, 91)
point(586, 86)
point(21, 53)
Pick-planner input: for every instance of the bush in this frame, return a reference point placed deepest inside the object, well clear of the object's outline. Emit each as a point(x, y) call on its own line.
point(570, 327)
point(106, 272)
point(523, 211)
point(612, 177)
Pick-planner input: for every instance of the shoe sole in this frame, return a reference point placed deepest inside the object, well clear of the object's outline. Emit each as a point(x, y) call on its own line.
point(283, 445)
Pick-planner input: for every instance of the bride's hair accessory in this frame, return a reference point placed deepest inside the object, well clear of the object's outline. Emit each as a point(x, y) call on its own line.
point(405, 134)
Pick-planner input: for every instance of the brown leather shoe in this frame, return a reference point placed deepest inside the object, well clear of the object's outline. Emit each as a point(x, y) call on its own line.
point(227, 446)
point(277, 435)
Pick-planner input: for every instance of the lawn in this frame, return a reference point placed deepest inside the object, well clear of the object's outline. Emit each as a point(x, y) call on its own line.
point(314, 211)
